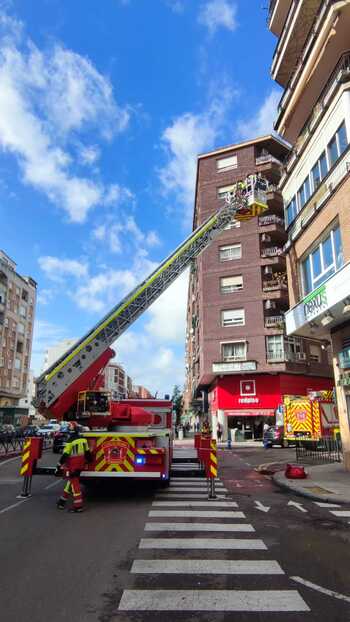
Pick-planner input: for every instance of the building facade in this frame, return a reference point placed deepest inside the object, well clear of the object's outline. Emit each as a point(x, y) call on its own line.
point(117, 381)
point(17, 308)
point(56, 351)
point(236, 348)
point(312, 64)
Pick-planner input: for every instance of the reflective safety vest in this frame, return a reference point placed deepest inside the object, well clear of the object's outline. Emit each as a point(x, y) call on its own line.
point(74, 454)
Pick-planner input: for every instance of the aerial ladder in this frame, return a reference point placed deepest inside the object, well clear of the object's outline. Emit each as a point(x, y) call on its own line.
point(125, 436)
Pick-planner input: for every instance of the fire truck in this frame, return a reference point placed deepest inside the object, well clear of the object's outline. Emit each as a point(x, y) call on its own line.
point(132, 438)
point(311, 417)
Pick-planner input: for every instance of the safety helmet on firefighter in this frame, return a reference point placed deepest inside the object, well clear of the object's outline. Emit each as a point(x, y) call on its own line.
point(73, 426)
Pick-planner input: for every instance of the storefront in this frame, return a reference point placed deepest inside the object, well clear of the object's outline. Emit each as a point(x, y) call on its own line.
point(325, 314)
point(245, 402)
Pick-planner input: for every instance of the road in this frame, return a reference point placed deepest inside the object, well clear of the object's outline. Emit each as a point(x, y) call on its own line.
point(249, 557)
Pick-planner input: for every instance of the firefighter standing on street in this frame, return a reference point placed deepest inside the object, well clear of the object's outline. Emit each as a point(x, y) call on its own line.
point(73, 460)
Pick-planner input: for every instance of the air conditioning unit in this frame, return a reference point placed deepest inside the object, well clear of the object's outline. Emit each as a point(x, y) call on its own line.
point(265, 237)
point(301, 356)
point(268, 270)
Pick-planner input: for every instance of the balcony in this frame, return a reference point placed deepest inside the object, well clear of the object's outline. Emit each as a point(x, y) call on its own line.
point(283, 356)
point(274, 321)
point(272, 219)
point(274, 285)
point(267, 158)
point(271, 251)
point(296, 28)
point(339, 75)
point(278, 11)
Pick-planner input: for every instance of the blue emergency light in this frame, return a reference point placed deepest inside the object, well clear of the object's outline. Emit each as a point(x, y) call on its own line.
point(140, 459)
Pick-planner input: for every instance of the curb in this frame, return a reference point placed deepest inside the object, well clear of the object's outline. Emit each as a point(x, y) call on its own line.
point(286, 485)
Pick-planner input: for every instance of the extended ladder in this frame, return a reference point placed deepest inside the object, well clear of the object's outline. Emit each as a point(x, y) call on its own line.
point(247, 200)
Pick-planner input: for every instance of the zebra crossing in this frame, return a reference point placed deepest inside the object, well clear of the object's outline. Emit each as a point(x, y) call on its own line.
point(333, 509)
point(204, 543)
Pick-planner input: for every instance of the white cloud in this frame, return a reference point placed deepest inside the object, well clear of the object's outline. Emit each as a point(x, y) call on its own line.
point(189, 135)
point(56, 269)
point(44, 97)
point(113, 233)
point(216, 14)
point(89, 155)
point(262, 121)
point(167, 316)
point(44, 296)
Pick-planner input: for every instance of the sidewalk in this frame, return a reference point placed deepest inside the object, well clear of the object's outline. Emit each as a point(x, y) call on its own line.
point(328, 483)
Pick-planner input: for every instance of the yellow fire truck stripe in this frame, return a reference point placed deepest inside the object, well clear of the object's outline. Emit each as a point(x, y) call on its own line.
point(129, 466)
point(25, 456)
point(100, 465)
point(130, 454)
point(100, 441)
point(24, 468)
point(26, 445)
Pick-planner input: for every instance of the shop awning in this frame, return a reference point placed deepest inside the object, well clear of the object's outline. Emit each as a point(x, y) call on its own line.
point(250, 412)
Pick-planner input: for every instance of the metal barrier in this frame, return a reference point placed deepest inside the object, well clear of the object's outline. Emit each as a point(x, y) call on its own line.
point(14, 444)
point(323, 451)
point(207, 456)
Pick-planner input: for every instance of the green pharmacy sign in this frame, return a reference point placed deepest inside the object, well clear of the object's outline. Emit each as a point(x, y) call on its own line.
point(315, 302)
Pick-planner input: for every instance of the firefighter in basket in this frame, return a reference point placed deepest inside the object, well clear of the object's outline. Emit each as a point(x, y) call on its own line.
point(73, 460)
point(206, 429)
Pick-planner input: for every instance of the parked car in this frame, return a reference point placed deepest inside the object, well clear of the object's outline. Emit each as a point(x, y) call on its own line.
point(275, 436)
point(48, 430)
point(30, 430)
point(59, 440)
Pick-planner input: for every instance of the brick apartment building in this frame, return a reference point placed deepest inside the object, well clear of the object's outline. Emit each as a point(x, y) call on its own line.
point(117, 381)
point(236, 347)
point(312, 63)
point(17, 307)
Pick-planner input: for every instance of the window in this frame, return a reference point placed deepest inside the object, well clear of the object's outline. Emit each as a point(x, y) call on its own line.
point(316, 175)
point(225, 164)
point(293, 347)
point(230, 251)
point(24, 295)
point(304, 193)
point(230, 284)
point(234, 351)
point(20, 327)
point(323, 261)
point(17, 363)
point(274, 347)
point(332, 151)
point(19, 347)
point(224, 190)
point(315, 353)
point(233, 317)
point(22, 311)
point(234, 224)
point(291, 211)
point(342, 138)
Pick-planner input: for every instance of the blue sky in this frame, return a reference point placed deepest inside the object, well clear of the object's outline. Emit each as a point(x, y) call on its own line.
point(103, 109)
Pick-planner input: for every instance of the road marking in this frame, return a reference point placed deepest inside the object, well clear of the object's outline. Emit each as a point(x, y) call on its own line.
point(341, 513)
point(326, 505)
point(196, 504)
point(53, 484)
point(14, 505)
point(183, 495)
point(2, 462)
point(212, 600)
point(261, 507)
point(188, 479)
point(204, 566)
point(202, 484)
point(202, 543)
point(196, 489)
point(199, 527)
point(195, 514)
point(324, 590)
point(297, 505)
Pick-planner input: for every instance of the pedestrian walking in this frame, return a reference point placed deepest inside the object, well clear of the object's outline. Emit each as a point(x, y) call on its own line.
point(73, 460)
point(266, 440)
point(219, 432)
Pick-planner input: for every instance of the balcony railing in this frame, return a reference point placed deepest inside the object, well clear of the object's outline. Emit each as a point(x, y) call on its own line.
point(267, 159)
point(282, 355)
point(274, 285)
point(317, 23)
point(274, 320)
point(270, 220)
point(271, 251)
point(277, 356)
point(340, 74)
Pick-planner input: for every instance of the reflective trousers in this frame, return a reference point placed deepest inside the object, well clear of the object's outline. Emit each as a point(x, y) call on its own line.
point(72, 487)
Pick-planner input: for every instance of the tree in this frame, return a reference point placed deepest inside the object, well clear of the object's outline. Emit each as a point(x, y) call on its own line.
point(177, 399)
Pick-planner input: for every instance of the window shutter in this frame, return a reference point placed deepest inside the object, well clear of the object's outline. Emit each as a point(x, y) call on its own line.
point(226, 163)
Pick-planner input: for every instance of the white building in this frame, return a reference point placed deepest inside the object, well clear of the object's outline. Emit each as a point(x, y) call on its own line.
point(56, 351)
